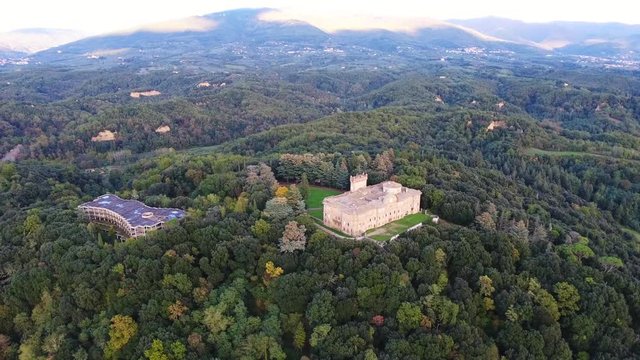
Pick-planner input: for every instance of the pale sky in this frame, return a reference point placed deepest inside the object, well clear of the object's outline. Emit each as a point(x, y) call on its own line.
point(98, 16)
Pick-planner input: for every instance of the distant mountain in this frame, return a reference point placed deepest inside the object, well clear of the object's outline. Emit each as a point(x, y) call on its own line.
point(247, 37)
point(33, 40)
point(580, 38)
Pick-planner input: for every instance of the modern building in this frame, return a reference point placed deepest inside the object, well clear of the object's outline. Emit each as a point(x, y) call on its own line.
point(367, 207)
point(130, 217)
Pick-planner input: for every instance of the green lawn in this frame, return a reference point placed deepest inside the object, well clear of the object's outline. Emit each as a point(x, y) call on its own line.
point(317, 194)
point(317, 213)
point(315, 197)
point(389, 230)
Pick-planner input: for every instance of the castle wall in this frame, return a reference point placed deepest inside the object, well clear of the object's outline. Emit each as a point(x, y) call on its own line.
point(359, 222)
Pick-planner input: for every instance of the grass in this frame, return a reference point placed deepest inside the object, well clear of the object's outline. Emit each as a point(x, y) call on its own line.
point(575, 154)
point(316, 213)
point(315, 197)
point(317, 194)
point(392, 229)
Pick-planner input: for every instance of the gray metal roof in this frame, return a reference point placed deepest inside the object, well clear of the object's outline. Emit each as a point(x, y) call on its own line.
point(135, 212)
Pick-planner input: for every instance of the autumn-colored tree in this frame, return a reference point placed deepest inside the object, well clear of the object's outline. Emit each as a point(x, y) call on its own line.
point(377, 320)
point(215, 320)
point(486, 290)
point(271, 271)
point(293, 237)
point(176, 310)
point(485, 220)
point(123, 329)
point(282, 192)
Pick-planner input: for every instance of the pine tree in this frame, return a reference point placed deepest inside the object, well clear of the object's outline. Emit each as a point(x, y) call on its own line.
point(304, 186)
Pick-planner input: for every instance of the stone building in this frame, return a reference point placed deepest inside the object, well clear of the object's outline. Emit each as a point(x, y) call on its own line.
point(367, 207)
point(131, 218)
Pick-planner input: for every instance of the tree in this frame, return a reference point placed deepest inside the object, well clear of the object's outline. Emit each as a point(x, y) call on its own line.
point(295, 199)
point(611, 262)
point(271, 271)
point(321, 309)
point(441, 309)
point(409, 316)
point(293, 237)
point(542, 297)
point(299, 336)
point(485, 220)
point(215, 320)
point(304, 186)
point(156, 351)
point(261, 229)
point(518, 230)
point(176, 310)
point(568, 297)
point(282, 192)
point(123, 329)
point(278, 209)
point(319, 333)
point(486, 290)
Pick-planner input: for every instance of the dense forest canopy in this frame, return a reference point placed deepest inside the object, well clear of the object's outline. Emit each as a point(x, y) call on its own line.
point(534, 170)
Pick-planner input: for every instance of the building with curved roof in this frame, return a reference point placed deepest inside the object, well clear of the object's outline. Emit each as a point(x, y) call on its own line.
point(131, 218)
point(367, 207)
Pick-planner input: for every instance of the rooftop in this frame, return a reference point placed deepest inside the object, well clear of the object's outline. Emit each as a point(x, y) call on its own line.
point(371, 197)
point(135, 212)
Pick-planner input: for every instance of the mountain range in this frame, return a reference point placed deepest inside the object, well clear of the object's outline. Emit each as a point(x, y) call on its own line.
point(254, 37)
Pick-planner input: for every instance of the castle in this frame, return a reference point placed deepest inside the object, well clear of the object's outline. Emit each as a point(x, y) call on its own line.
point(367, 207)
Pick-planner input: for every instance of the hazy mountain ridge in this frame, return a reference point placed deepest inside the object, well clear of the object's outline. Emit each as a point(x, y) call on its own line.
point(34, 40)
point(255, 38)
point(566, 36)
point(243, 34)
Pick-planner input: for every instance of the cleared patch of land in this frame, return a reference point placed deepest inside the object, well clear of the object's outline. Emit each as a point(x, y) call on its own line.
point(317, 194)
point(392, 229)
point(315, 197)
point(552, 153)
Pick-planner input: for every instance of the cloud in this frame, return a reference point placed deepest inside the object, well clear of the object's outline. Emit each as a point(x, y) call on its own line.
point(193, 23)
point(345, 21)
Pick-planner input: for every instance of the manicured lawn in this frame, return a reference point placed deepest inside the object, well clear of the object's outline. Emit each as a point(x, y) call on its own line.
point(317, 194)
point(316, 213)
point(389, 230)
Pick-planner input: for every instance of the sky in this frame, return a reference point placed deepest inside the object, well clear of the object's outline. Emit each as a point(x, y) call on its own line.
point(100, 16)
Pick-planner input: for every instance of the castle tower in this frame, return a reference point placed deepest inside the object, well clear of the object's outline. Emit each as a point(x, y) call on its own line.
point(358, 182)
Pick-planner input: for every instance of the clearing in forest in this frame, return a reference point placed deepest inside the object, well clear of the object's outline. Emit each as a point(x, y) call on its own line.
point(394, 228)
point(315, 197)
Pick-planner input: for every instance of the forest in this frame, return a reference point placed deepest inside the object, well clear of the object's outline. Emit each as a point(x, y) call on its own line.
point(535, 173)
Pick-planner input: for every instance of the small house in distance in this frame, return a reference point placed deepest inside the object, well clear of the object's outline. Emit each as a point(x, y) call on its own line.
point(130, 217)
point(367, 207)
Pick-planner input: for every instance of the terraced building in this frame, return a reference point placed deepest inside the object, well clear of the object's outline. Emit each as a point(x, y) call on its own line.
point(130, 217)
